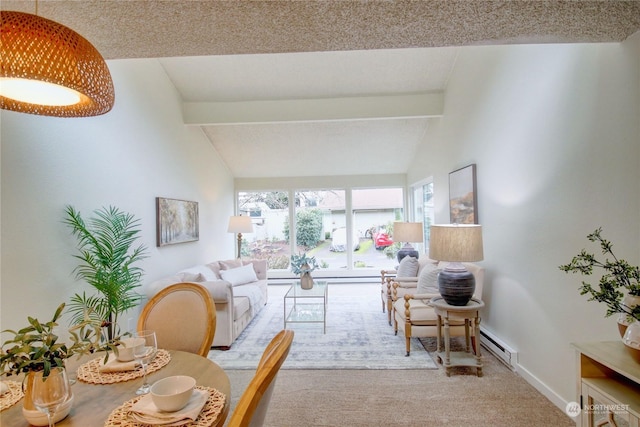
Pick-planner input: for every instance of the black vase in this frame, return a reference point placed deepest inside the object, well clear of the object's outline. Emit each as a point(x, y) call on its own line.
point(456, 286)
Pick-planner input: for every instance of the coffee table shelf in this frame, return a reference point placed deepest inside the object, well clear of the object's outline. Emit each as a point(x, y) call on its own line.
point(306, 305)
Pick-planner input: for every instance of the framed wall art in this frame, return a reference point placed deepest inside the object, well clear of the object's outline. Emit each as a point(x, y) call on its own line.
point(176, 221)
point(463, 200)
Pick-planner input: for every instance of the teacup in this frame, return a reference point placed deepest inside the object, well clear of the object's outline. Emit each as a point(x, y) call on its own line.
point(125, 349)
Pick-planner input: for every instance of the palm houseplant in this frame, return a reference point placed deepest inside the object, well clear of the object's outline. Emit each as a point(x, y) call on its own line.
point(108, 262)
point(619, 284)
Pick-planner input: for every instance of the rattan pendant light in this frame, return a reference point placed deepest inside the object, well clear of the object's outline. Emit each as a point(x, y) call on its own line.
point(39, 57)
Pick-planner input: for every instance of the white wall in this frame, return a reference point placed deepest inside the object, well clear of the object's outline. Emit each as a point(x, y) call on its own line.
point(555, 133)
point(126, 158)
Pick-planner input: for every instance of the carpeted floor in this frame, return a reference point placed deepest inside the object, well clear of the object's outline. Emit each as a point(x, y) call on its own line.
point(358, 336)
point(401, 397)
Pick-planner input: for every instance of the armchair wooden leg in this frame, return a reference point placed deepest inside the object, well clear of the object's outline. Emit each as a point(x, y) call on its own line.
point(395, 322)
point(407, 335)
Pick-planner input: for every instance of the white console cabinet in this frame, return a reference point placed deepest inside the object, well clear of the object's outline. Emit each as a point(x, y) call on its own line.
point(608, 386)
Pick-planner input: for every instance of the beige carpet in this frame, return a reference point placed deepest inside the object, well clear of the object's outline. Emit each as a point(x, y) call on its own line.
point(365, 397)
point(405, 398)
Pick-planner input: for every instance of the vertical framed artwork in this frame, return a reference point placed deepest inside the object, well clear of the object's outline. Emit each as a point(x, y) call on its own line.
point(463, 200)
point(176, 221)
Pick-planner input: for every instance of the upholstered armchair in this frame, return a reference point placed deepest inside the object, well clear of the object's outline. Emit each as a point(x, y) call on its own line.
point(386, 278)
point(404, 280)
point(416, 318)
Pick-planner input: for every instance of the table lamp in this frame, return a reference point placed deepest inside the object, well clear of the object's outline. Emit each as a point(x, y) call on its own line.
point(240, 224)
point(456, 243)
point(408, 232)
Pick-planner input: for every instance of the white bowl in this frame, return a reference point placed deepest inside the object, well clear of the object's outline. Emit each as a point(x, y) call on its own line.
point(171, 394)
point(125, 350)
point(37, 418)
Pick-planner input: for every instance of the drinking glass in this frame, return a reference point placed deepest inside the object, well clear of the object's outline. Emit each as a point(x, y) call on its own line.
point(144, 353)
point(50, 392)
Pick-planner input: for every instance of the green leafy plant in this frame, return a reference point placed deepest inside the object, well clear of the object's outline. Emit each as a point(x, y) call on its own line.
point(618, 278)
point(302, 263)
point(36, 347)
point(107, 263)
point(308, 228)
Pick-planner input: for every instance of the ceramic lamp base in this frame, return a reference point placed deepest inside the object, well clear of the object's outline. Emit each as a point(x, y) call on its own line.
point(456, 285)
point(407, 250)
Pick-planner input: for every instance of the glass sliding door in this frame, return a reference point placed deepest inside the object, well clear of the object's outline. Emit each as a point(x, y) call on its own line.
point(424, 210)
point(374, 212)
point(269, 212)
point(321, 229)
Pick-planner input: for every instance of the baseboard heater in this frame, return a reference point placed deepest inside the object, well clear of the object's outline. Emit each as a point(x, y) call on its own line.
point(501, 350)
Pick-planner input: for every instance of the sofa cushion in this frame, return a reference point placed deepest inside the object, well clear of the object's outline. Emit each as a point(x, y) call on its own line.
point(428, 279)
point(408, 267)
point(240, 275)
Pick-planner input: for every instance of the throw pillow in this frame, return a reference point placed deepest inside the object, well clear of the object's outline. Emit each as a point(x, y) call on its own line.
point(240, 275)
point(408, 267)
point(205, 272)
point(428, 280)
point(229, 264)
point(186, 276)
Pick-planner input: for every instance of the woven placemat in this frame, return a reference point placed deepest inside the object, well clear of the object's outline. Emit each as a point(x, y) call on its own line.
point(12, 396)
point(90, 373)
point(119, 417)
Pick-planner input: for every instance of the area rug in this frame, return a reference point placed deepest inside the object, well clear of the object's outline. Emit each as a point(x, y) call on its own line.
point(358, 336)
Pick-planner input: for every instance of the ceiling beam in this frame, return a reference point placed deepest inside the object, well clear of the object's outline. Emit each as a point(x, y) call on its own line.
point(314, 110)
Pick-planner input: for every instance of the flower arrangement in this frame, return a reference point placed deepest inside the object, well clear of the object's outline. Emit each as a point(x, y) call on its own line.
point(36, 347)
point(302, 263)
point(619, 277)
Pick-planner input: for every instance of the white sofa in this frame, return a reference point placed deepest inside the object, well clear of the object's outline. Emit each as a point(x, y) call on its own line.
point(238, 288)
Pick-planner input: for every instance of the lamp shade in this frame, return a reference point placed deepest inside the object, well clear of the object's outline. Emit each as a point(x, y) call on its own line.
point(40, 57)
point(456, 242)
point(408, 232)
point(240, 224)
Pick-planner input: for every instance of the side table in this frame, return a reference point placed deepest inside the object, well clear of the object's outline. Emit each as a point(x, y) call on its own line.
point(469, 313)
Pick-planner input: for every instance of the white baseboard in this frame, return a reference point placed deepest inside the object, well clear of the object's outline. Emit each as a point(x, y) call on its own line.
point(542, 388)
point(504, 352)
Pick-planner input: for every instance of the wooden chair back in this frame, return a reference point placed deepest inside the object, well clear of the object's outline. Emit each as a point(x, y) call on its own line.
point(183, 316)
point(252, 406)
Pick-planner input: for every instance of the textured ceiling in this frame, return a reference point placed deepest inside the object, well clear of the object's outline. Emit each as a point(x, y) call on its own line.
point(330, 55)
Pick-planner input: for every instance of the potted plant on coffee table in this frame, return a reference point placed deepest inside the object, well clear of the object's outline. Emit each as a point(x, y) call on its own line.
point(303, 265)
point(108, 263)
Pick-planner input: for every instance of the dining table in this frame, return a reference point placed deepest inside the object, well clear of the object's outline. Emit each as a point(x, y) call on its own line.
point(94, 403)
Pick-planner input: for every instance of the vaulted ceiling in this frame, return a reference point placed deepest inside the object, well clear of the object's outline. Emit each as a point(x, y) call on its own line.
point(333, 83)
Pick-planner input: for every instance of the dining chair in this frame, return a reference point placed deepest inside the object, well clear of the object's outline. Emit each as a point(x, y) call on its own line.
point(252, 406)
point(183, 316)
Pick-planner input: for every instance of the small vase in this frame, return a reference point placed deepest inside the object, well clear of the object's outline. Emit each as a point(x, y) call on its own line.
point(624, 320)
point(31, 413)
point(306, 281)
point(631, 340)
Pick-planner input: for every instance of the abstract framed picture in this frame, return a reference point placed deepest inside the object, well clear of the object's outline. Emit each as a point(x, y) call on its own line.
point(463, 200)
point(176, 221)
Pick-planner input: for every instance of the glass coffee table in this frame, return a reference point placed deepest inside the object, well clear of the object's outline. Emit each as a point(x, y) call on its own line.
point(306, 305)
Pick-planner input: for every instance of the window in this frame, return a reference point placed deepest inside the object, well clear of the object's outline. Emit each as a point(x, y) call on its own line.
point(350, 232)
